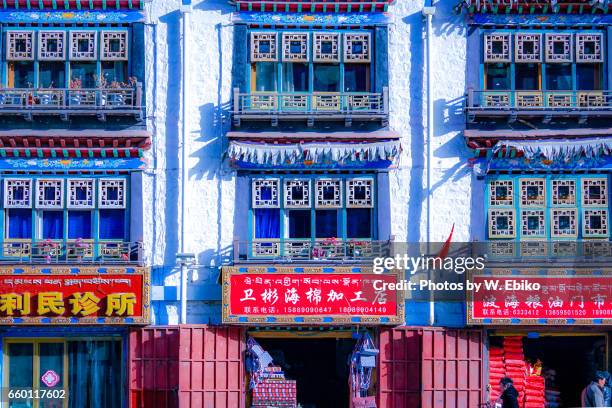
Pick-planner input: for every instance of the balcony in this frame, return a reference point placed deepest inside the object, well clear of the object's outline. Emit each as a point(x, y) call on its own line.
point(71, 252)
point(67, 102)
point(544, 104)
point(275, 106)
point(308, 251)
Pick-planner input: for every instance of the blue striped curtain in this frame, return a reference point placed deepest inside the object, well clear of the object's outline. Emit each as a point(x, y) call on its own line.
point(95, 374)
point(112, 224)
point(53, 225)
point(79, 224)
point(267, 223)
point(20, 223)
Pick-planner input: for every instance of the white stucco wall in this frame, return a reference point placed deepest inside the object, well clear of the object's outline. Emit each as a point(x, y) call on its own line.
point(211, 187)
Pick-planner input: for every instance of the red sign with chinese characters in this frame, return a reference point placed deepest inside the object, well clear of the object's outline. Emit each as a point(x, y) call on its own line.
point(535, 299)
point(313, 296)
point(55, 298)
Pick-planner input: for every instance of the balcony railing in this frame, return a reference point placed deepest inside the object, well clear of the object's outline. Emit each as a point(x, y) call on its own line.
point(72, 252)
point(533, 252)
point(308, 251)
point(317, 105)
point(70, 101)
point(542, 103)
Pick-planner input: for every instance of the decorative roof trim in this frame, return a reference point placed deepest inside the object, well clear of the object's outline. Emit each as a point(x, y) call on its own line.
point(73, 144)
point(310, 19)
point(535, 7)
point(65, 5)
point(540, 20)
point(17, 164)
point(71, 17)
point(558, 149)
point(313, 6)
point(315, 153)
point(299, 137)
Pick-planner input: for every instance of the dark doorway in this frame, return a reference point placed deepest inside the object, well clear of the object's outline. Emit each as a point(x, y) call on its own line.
point(568, 363)
point(319, 366)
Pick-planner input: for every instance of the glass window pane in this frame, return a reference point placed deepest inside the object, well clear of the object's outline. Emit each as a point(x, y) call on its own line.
point(295, 77)
point(326, 78)
point(21, 365)
point(326, 223)
point(52, 74)
point(22, 74)
point(359, 222)
point(265, 76)
point(267, 223)
point(357, 78)
point(112, 224)
point(299, 224)
point(51, 359)
point(19, 225)
point(95, 376)
point(527, 77)
point(79, 224)
point(53, 224)
point(559, 77)
point(114, 73)
point(588, 77)
point(82, 75)
point(498, 77)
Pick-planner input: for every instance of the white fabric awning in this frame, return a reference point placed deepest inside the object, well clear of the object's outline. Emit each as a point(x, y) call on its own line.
point(270, 154)
point(558, 149)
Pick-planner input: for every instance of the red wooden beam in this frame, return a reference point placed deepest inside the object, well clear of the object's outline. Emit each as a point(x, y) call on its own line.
point(72, 4)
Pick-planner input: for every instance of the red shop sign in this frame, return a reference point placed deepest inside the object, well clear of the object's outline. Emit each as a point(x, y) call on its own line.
point(100, 298)
point(303, 298)
point(525, 299)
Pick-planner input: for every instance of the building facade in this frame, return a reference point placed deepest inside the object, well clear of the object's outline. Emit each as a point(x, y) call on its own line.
point(222, 175)
point(72, 119)
point(537, 121)
point(292, 141)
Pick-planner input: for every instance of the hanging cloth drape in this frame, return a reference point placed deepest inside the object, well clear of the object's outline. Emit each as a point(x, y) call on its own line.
point(95, 374)
point(268, 154)
point(558, 149)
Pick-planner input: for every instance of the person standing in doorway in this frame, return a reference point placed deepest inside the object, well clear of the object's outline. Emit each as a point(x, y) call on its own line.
point(509, 394)
point(593, 394)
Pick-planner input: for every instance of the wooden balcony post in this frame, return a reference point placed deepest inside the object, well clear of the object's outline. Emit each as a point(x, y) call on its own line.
point(385, 101)
point(470, 97)
point(139, 94)
point(236, 100)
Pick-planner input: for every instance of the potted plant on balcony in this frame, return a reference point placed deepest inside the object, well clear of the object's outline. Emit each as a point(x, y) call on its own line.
point(81, 249)
point(357, 248)
point(117, 93)
point(48, 249)
point(328, 248)
point(76, 91)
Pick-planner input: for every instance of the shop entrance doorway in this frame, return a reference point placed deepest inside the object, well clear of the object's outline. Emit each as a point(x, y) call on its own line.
point(318, 365)
point(569, 363)
point(63, 373)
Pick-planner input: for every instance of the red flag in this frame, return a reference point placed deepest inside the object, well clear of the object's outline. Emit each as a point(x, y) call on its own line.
point(446, 248)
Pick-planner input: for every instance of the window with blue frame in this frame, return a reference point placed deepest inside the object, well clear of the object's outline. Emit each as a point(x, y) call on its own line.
point(65, 209)
point(65, 57)
point(539, 60)
point(289, 209)
point(310, 61)
point(548, 207)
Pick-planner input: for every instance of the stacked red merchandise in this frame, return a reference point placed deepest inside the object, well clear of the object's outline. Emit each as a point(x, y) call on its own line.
point(496, 370)
point(275, 393)
point(535, 396)
point(514, 362)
